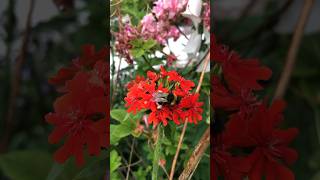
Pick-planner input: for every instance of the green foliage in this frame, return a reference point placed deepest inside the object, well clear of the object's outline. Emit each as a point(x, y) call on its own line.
point(142, 47)
point(136, 9)
point(127, 125)
point(115, 162)
point(25, 165)
point(142, 173)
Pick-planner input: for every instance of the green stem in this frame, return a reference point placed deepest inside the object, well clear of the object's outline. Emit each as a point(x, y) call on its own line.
point(156, 155)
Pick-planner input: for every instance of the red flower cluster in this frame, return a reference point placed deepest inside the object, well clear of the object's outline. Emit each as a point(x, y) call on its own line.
point(249, 142)
point(166, 96)
point(80, 114)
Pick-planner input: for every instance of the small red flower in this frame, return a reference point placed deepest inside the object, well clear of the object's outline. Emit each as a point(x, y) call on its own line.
point(135, 81)
point(229, 100)
point(167, 95)
point(86, 61)
point(160, 115)
point(192, 108)
point(240, 73)
point(170, 59)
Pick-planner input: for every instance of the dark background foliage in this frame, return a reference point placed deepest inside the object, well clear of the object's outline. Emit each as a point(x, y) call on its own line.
point(263, 29)
point(56, 37)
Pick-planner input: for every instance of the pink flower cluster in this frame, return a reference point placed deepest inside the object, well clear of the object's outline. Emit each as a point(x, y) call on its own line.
point(168, 9)
point(159, 24)
point(123, 38)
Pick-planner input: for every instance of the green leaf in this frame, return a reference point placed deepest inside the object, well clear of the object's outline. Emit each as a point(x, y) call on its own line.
point(166, 141)
point(137, 43)
point(118, 132)
point(150, 43)
point(26, 165)
point(118, 114)
point(137, 52)
point(115, 163)
point(170, 150)
point(142, 173)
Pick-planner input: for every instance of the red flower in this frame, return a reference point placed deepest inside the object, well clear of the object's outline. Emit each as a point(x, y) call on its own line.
point(160, 115)
point(167, 95)
point(271, 144)
point(240, 73)
point(182, 86)
point(79, 115)
point(81, 118)
point(228, 100)
point(250, 142)
point(170, 59)
point(87, 60)
point(135, 81)
point(192, 108)
point(140, 96)
point(226, 165)
point(63, 75)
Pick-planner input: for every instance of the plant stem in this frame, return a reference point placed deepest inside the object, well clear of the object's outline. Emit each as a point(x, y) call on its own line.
point(130, 158)
point(196, 156)
point(156, 155)
point(207, 59)
point(293, 50)
point(15, 81)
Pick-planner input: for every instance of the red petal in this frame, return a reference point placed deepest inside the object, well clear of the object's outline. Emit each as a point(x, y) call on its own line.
point(285, 137)
point(93, 142)
point(288, 154)
point(57, 134)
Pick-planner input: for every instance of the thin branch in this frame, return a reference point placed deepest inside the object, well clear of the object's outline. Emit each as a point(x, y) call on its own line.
point(131, 165)
point(207, 59)
point(198, 64)
point(293, 49)
point(15, 82)
point(181, 31)
point(130, 158)
point(203, 71)
point(178, 149)
point(196, 156)
point(115, 4)
point(164, 170)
